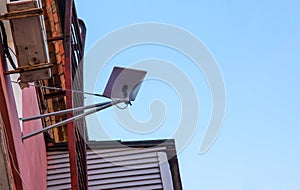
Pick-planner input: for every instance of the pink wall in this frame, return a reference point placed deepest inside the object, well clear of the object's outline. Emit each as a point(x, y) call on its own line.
point(34, 149)
point(31, 154)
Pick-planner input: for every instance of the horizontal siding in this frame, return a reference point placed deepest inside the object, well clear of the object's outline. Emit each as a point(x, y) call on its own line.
point(140, 163)
point(101, 176)
point(134, 184)
point(58, 171)
point(122, 168)
point(125, 168)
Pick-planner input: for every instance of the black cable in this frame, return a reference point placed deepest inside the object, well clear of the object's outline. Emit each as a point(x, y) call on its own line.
point(62, 89)
point(12, 51)
point(5, 45)
point(77, 91)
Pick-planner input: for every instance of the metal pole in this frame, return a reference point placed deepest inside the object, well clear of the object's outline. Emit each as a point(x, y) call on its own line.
point(72, 119)
point(63, 111)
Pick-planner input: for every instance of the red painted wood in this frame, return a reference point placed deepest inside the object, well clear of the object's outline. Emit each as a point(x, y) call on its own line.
point(27, 159)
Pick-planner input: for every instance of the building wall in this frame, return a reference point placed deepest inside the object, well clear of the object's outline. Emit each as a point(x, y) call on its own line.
point(27, 159)
point(5, 172)
point(29, 162)
point(131, 165)
point(53, 100)
point(30, 155)
point(34, 149)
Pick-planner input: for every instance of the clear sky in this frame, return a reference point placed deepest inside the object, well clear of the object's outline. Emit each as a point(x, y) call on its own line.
point(256, 45)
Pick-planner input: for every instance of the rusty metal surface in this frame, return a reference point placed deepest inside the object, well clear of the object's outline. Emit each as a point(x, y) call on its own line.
point(29, 40)
point(73, 56)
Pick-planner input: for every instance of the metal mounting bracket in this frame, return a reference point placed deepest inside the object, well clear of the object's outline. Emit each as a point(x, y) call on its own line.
point(22, 14)
point(97, 107)
point(29, 68)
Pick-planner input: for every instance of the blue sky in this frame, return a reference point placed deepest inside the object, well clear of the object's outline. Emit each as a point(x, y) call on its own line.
point(256, 45)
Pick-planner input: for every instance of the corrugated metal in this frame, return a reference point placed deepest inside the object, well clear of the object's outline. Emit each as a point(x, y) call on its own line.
point(58, 171)
point(122, 168)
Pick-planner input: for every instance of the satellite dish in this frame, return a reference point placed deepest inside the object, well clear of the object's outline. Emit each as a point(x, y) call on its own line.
point(124, 83)
point(122, 87)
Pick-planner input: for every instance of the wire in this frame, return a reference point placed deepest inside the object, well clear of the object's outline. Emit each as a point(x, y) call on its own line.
point(77, 91)
point(5, 45)
point(62, 89)
point(12, 51)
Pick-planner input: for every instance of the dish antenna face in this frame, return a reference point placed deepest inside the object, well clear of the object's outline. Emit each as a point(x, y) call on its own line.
point(124, 83)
